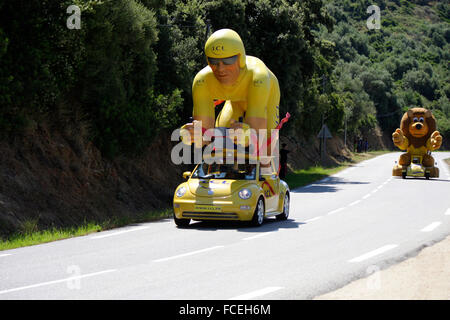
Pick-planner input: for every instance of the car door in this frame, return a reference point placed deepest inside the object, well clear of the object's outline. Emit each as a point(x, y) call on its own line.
point(271, 187)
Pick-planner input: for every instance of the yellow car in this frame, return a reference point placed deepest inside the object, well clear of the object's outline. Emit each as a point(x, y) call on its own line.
point(415, 169)
point(239, 192)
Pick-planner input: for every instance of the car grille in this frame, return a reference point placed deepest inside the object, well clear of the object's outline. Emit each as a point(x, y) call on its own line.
point(216, 215)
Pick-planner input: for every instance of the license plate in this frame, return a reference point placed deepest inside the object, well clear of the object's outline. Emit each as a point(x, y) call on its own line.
point(207, 208)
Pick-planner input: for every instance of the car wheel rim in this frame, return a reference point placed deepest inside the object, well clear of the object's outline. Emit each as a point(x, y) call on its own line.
point(286, 206)
point(260, 212)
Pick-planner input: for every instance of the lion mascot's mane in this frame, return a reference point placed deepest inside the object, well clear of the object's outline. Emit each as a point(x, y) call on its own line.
point(408, 118)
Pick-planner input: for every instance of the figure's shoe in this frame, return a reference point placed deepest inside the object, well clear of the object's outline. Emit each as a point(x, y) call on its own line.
point(434, 172)
point(397, 171)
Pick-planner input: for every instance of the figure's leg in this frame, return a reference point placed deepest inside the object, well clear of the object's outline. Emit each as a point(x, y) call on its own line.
point(428, 161)
point(230, 111)
point(273, 107)
point(405, 159)
point(273, 119)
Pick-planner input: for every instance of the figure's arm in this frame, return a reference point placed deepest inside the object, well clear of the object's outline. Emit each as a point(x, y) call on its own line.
point(400, 141)
point(203, 110)
point(435, 141)
point(257, 100)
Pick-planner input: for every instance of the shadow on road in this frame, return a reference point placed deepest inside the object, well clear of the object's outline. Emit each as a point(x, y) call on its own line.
point(270, 225)
point(331, 184)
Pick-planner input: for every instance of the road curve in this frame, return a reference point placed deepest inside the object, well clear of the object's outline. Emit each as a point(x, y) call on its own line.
point(340, 229)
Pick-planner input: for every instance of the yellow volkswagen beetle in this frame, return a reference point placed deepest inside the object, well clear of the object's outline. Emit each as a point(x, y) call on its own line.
point(240, 192)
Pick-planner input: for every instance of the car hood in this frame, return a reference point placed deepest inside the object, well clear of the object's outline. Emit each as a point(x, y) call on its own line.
point(216, 188)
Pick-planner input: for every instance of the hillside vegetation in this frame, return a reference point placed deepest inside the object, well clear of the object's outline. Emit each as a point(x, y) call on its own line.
point(381, 73)
point(127, 73)
point(86, 114)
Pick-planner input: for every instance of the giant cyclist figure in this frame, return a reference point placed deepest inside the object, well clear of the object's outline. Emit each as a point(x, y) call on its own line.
point(250, 90)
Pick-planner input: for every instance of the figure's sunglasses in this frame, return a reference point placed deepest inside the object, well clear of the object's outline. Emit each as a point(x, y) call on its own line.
point(226, 61)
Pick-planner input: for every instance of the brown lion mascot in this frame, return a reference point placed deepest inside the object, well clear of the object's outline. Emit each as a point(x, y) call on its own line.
point(418, 136)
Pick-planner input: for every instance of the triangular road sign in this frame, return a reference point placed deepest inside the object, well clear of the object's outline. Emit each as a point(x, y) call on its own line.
point(324, 132)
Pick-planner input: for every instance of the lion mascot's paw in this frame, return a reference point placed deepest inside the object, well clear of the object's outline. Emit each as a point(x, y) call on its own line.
point(398, 138)
point(436, 140)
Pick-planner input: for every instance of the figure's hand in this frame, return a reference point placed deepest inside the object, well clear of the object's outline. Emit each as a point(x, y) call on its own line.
point(238, 125)
point(436, 140)
point(398, 138)
point(189, 132)
point(241, 132)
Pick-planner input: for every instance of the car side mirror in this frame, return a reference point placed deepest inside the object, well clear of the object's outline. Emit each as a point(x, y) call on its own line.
point(186, 174)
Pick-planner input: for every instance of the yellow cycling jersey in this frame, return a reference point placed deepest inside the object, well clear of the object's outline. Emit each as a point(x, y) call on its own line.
point(256, 93)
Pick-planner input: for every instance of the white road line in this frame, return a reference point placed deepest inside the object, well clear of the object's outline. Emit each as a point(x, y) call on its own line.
point(313, 219)
point(431, 226)
point(373, 253)
point(187, 254)
point(354, 202)
point(4, 255)
point(56, 281)
point(447, 213)
point(256, 293)
point(373, 191)
point(366, 196)
point(119, 232)
point(334, 211)
point(257, 236)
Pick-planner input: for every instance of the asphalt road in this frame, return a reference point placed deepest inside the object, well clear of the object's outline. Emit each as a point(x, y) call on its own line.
point(342, 228)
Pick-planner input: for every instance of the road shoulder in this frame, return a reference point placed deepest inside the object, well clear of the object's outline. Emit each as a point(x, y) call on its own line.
point(423, 277)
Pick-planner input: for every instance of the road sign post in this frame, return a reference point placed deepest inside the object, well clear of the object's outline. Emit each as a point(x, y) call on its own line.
point(324, 134)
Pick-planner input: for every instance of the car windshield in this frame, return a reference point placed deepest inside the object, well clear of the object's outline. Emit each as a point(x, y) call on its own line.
point(225, 171)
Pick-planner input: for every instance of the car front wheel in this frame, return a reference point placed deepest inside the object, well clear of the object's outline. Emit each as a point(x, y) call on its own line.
point(181, 222)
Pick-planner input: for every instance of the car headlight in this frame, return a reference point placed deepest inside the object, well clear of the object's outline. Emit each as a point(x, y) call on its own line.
point(245, 194)
point(181, 192)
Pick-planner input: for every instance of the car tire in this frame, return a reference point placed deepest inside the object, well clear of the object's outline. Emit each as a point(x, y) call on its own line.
point(427, 175)
point(258, 216)
point(285, 214)
point(181, 222)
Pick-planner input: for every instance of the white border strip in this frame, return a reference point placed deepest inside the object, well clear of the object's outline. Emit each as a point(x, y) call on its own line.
point(257, 236)
point(353, 203)
point(373, 253)
point(313, 219)
point(187, 254)
point(56, 281)
point(119, 232)
point(335, 211)
point(431, 226)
